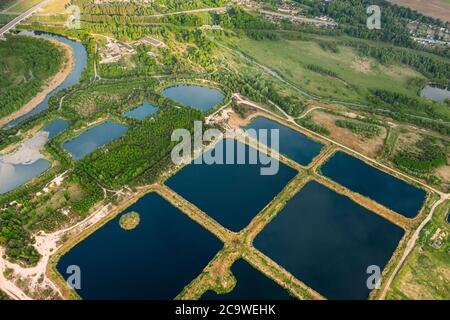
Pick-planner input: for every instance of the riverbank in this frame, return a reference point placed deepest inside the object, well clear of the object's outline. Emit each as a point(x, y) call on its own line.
point(52, 84)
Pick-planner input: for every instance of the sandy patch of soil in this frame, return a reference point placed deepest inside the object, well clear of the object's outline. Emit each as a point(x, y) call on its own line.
point(370, 147)
point(362, 65)
point(444, 174)
point(407, 142)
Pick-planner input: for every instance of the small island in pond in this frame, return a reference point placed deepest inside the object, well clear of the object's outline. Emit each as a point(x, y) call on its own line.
point(130, 220)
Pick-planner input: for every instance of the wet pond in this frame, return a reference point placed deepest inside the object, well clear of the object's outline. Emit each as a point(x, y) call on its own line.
point(199, 97)
point(79, 63)
point(55, 127)
point(251, 285)
point(94, 138)
point(360, 177)
point(26, 163)
point(232, 194)
point(436, 93)
point(328, 242)
point(292, 144)
point(165, 252)
point(141, 112)
point(13, 176)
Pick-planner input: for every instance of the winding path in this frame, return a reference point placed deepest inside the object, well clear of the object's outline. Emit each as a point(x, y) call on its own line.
point(410, 246)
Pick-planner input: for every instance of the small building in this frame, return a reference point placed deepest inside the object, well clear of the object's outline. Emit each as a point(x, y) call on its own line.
point(151, 41)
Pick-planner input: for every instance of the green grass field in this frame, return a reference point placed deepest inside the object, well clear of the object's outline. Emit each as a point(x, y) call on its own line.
point(349, 78)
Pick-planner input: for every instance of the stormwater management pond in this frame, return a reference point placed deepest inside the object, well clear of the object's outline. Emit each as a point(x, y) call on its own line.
point(328, 242)
point(156, 260)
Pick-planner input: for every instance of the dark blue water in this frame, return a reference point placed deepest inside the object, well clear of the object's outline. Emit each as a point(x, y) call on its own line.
point(15, 175)
point(165, 252)
point(55, 127)
point(327, 241)
point(231, 194)
point(389, 191)
point(141, 112)
point(79, 63)
point(251, 285)
point(199, 97)
point(94, 138)
point(292, 143)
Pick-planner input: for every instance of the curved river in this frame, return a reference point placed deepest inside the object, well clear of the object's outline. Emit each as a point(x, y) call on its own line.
point(79, 63)
point(18, 169)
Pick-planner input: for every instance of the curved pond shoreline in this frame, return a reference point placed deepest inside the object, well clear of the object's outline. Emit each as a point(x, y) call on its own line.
point(80, 59)
point(197, 96)
point(27, 162)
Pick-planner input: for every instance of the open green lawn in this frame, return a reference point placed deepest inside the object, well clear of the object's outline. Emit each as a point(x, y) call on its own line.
point(350, 75)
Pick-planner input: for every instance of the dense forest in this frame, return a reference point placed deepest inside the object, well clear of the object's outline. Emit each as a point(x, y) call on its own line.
point(25, 66)
point(15, 235)
point(363, 129)
point(258, 89)
point(309, 123)
point(431, 155)
point(142, 153)
point(136, 9)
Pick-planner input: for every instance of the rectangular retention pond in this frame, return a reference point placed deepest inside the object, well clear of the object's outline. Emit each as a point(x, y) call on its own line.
point(387, 190)
point(250, 285)
point(292, 143)
point(232, 194)
point(156, 260)
point(328, 242)
point(93, 138)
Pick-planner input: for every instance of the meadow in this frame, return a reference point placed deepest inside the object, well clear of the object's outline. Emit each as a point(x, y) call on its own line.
point(342, 75)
